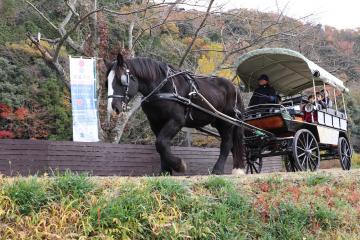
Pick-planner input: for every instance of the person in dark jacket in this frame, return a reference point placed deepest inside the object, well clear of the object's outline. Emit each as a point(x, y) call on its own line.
point(327, 103)
point(264, 94)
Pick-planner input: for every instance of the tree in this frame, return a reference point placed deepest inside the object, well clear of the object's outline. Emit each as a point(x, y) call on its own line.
point(82, 18)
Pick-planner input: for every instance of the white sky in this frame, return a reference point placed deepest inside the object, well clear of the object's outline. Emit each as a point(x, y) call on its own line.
point(337, 13)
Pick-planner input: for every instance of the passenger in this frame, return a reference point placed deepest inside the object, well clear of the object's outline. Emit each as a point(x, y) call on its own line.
point(320, 101)
point(327, 103)
point(308, 109)
point(264, 94)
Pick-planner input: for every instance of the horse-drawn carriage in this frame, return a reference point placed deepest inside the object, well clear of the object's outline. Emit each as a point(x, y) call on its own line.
point(286, 131)
point(174, 99)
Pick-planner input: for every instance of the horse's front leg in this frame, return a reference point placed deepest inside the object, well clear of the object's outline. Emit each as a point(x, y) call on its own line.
point(226, 135)
point(163, 141)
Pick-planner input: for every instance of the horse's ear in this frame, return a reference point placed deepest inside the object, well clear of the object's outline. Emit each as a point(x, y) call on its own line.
point(107, 63)
point(120, 60)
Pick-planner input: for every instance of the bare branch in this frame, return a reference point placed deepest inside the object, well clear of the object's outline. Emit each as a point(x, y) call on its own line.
point(156, 25)
point(196, 33)
point(42, 15)
point(63, 38)
point(157, 5)
point(69, 15)
point(72, 7)
point(50, 60)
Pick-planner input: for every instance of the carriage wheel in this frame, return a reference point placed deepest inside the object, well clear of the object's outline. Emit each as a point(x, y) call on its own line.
point(306, 151)
point(253, 165)
point(289, 163)
point(345, 153)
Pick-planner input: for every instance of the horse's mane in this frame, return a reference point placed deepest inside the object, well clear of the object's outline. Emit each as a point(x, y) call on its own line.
point(147, 68)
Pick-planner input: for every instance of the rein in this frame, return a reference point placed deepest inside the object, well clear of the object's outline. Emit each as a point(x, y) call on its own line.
point(162, 84)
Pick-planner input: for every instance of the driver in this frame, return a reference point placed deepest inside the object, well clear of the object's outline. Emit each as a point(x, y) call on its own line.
point(264, 93)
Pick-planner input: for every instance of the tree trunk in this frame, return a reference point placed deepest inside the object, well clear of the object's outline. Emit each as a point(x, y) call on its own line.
point(123, 120)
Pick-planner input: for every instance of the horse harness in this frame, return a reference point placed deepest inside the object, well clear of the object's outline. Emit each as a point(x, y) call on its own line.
point(155, 95)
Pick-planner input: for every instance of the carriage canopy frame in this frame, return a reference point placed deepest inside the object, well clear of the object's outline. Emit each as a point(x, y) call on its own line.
point(289, 71)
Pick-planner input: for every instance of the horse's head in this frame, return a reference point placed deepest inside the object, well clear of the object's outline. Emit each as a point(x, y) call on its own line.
point(122, 84)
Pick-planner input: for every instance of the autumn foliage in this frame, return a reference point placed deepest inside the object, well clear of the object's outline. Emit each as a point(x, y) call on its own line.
point(12, 121)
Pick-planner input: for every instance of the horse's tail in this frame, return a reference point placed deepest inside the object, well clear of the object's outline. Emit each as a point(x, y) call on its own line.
point(238, 150)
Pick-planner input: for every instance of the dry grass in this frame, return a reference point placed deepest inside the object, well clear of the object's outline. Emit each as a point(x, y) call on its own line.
point(322, 205)
point(356, 160)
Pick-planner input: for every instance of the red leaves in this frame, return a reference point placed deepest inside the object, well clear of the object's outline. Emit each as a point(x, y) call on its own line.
point(12, 121)
point(329, 192)
point(4, 134)
point(21, 113)
point(353, 197)
point(5, 110)
point(263, 207)
point(264, 187)
point(7, 113)
point(295, 192)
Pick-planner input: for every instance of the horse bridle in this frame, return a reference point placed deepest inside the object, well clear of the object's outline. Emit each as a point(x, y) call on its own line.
point(125, 83)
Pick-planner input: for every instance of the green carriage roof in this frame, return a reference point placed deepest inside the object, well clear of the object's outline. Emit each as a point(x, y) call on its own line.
point(289, 71)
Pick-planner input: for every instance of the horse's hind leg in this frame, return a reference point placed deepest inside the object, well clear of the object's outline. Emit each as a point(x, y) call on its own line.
point(163, 140)
point(225, 131)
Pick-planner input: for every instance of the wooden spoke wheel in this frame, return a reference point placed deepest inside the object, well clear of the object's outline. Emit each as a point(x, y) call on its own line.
point(345, 153)
point(306, 151)
point(253, 165)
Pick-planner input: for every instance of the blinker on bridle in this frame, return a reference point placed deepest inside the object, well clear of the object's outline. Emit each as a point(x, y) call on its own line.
point(126, 83)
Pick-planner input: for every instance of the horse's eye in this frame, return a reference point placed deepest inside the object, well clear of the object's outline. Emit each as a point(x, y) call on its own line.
point(124, 80)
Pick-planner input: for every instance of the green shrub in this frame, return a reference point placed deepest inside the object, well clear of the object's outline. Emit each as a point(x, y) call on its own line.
point(71, 185)
point(28, 194)
point(124, 216)
point(317, 179)
point(215, 184)
point(287, 221)
point(52, 97)
point(327, 218)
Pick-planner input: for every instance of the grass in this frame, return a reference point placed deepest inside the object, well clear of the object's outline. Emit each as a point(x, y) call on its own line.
point(311, 206)
point(71, 185)
point(355, 161)
point(27, 194)
point(316, 179)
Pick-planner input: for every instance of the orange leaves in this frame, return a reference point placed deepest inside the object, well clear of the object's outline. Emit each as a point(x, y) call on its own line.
point(5, 110)
point(353, 197)
point(328, 192)
point(264, 187)
point(263, 207)
point(295, 192)
point(199, 42)
point(21, 113)
point(21, 123)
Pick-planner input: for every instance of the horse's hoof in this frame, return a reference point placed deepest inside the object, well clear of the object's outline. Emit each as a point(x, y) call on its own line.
point(217, 172)
point(181, 166)
point(165, 173)
point(238, 171)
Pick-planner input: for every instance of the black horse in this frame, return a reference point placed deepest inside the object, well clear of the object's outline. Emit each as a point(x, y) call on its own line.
point(157, 80)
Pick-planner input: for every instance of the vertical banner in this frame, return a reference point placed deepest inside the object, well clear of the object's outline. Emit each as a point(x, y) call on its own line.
point(83, 98)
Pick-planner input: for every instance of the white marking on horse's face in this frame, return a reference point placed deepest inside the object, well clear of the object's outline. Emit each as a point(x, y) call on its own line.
point(110, 78)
